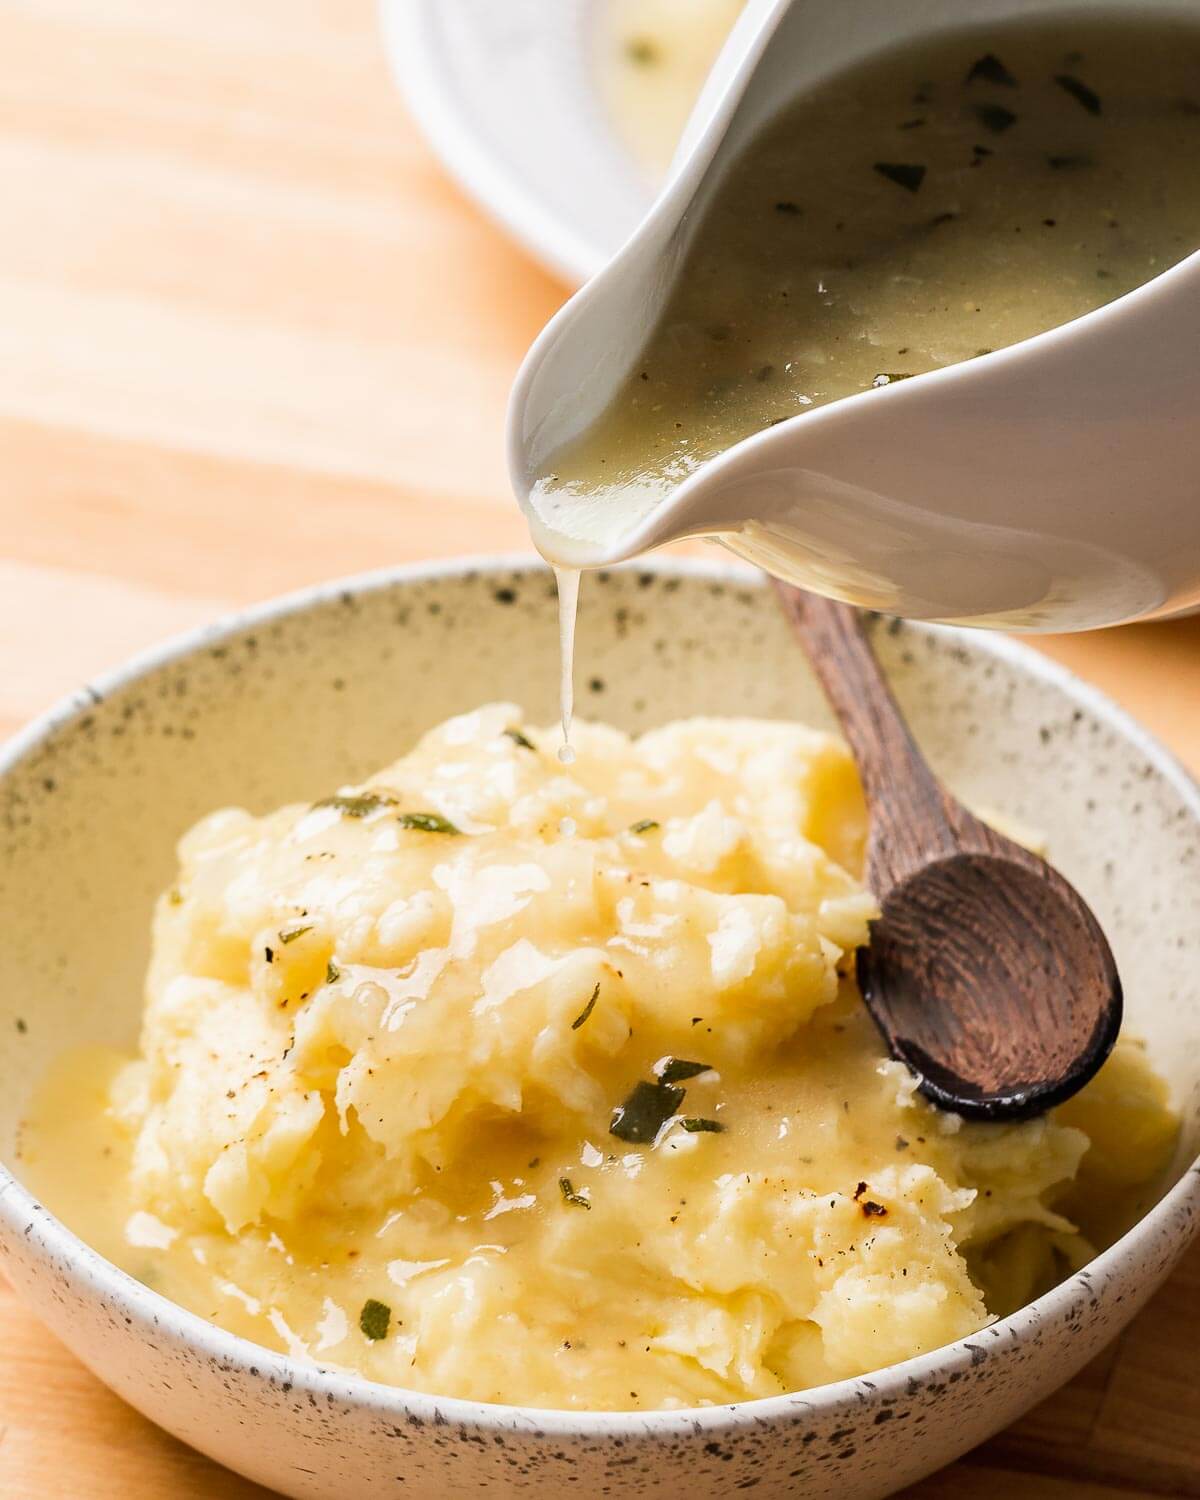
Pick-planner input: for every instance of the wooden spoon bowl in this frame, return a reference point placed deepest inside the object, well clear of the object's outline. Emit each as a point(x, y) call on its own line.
point(991, 979)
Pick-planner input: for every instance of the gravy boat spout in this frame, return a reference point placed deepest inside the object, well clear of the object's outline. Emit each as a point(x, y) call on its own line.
point(1050, 485)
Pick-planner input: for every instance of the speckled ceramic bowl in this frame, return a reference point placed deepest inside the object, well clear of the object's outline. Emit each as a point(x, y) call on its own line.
point(323, 688)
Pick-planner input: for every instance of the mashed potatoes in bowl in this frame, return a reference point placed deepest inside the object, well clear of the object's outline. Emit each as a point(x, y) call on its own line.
point(502, 1079)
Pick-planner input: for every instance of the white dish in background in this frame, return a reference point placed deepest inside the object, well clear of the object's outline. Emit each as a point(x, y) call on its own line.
point(293, 697)
point(510, 97)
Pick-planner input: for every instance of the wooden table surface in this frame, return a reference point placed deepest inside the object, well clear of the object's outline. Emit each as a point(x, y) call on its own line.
point(251, 337)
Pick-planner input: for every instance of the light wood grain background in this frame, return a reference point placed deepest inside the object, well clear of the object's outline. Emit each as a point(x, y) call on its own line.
point(251, 337)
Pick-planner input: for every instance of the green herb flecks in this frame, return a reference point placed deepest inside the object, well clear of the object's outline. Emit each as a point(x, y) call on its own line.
point(586, 1011)
point(991, 70)
point(676, 1069)
point(426, 822)
point(645, 1112)
point(889, 377)
point(907, 175)
point(375, 1319)
point(642, 52)
point(357, 804)
point(995, 117)
point(644, 825)
point(1079, 91)
point(698, 1126)
point(571, 1196)
point(332, 972)
point(295, 930)
point(519, 739)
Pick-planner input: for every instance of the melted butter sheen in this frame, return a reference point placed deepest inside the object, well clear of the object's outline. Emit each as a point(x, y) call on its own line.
point(1030, 173)
point(380, 1064)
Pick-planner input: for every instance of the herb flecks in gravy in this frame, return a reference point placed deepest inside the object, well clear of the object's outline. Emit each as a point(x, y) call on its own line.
point(934, 201)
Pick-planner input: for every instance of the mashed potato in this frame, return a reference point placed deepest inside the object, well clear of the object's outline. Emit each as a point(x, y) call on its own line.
point(438, 1092)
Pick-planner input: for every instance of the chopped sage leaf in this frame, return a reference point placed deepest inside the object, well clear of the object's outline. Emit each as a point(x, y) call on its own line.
point(903, 174)
point(995, 117)
point(425, 822)
point(645, 1112)
point(332, 972)
point(586, 1011)
point(519, 739)
point(641, 51)
point(698, 1126)
point(644, 825)
point(1080, 92)
point(991, 70)
point(295, 930)
point(357, 804)
point(571, 1196)
point(889, 377)
point(375, 1319)
point(676, 1069)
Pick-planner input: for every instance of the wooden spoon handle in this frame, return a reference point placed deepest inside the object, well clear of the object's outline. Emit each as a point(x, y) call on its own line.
point(912, 818)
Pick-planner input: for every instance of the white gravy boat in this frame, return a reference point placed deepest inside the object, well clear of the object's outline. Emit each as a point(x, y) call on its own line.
point(1052, 485)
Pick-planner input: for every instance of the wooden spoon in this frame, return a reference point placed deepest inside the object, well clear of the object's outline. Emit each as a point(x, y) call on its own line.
point(986, 972)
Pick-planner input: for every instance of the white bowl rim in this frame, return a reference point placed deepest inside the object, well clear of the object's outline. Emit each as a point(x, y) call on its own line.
point(20, 1212)
point(486, 177)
